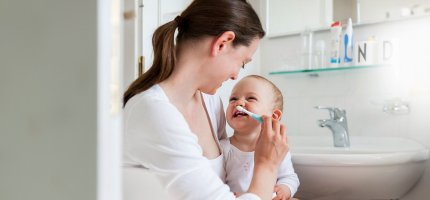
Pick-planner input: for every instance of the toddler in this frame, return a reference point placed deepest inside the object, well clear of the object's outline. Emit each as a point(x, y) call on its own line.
point(260, 96)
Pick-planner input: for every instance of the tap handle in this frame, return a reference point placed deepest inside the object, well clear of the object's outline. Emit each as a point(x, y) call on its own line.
point(335, 113)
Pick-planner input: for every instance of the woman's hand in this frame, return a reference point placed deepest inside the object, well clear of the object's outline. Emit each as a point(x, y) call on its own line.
point(272, 144)
point(270, 150)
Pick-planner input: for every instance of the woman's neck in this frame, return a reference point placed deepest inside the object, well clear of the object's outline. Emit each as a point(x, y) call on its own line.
point(245, 141)
point(182, 87)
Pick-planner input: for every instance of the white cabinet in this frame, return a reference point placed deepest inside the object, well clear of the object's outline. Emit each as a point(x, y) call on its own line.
point(292, 16)
point(287, 17)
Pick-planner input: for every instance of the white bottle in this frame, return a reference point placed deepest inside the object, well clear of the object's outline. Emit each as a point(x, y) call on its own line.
point(348, 44)
point(335, 37)
point(319, 55)
point(306, 49)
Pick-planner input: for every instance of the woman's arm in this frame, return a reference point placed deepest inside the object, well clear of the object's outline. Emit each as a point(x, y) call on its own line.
point(271, 148)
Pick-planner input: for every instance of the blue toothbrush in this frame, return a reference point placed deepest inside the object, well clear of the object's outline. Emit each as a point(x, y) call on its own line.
point(253, 115)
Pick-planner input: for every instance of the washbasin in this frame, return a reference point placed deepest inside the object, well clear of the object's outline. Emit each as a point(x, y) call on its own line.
point(371, 168)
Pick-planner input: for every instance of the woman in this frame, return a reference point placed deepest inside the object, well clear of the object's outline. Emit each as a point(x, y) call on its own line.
point(173, 122)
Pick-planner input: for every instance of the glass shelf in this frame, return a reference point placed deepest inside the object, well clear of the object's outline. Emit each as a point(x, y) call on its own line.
point(313, 71)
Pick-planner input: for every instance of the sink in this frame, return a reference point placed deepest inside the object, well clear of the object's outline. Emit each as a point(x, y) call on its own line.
point(371, 168)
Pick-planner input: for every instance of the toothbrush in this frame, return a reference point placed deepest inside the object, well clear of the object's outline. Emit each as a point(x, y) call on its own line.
point(253, 115)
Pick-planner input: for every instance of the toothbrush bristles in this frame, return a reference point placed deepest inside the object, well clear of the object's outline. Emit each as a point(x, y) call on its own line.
point(240, 108)
point(255, 116)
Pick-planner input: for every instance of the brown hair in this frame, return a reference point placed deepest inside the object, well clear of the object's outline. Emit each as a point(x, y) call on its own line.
point(279, 99)
point(201, 18)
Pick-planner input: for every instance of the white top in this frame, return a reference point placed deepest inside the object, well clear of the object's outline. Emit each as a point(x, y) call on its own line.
point(157, 138)
point(239, 167)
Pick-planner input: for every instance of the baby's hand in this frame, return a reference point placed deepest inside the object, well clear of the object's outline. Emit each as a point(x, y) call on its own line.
point(282, 192)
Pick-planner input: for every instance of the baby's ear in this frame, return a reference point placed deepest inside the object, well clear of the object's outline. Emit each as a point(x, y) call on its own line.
point(276, 114)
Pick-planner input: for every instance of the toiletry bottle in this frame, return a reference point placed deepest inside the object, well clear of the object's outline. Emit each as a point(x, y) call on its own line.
point(306, 49)
point(319, 55)
point(348, 44)
point(335, 38)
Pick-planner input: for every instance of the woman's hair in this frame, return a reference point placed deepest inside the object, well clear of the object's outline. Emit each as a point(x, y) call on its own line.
point(202, 18)
point(279, 99)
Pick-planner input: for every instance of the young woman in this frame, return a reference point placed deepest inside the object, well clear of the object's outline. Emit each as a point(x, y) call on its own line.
point(173, 122)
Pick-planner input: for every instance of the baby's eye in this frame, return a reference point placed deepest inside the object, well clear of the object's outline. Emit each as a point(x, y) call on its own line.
point(252, 98)
point(232, 99)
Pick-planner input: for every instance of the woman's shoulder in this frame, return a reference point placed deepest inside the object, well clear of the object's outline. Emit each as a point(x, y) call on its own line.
point(152, 112)
point(148, 98)
point(151, 104)
point(154, 93)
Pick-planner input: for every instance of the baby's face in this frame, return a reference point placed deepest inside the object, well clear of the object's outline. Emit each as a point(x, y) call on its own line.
point(254, 95)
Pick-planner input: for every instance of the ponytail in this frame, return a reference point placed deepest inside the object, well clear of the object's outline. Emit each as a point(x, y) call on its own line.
point(164, 60)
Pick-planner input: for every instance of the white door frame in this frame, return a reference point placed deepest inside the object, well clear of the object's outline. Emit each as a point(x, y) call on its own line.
point(109, 98)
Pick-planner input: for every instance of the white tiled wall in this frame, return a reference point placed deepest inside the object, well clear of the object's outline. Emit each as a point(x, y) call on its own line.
point(361, 92)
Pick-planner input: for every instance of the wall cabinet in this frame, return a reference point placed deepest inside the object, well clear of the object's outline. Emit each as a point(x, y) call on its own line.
point(287, 17)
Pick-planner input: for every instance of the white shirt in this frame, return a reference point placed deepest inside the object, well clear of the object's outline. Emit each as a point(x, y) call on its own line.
point(239, 167)
point(157, 138)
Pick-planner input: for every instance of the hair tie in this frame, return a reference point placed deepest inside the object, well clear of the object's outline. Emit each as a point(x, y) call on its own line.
point(179, 20)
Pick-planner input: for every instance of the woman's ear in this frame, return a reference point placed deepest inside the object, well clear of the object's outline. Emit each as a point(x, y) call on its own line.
point(221, 43)
point(276, 114)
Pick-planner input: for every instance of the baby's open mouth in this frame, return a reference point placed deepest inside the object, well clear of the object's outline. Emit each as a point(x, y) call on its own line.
point(239, 113)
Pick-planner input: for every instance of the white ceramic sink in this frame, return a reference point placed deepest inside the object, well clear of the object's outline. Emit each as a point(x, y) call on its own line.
point(372, 168)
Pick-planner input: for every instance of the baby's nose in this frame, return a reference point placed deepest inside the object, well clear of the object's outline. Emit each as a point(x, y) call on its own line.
point(240, 102)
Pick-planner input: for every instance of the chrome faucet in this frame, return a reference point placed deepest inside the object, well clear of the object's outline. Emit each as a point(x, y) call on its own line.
point(337, 124)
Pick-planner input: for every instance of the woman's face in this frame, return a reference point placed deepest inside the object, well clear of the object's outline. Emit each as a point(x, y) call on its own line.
point(227, 65)
point(253, 94)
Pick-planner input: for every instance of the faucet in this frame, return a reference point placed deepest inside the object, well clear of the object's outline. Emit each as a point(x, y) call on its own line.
point(337, 124)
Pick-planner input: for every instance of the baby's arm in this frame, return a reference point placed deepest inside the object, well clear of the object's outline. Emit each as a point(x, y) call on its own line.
point(288, 181)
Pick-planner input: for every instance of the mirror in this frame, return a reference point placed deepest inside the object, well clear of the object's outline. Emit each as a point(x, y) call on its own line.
point(287, 17)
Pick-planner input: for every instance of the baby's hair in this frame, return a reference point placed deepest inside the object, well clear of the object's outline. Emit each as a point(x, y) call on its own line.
point(279, 99)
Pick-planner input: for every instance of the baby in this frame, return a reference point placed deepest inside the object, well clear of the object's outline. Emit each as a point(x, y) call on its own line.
point(260, 96)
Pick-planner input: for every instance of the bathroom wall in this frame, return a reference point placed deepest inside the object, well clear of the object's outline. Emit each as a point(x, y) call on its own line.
point(361, 92)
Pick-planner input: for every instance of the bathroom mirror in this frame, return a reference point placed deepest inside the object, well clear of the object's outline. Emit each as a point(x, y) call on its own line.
point(287, 17)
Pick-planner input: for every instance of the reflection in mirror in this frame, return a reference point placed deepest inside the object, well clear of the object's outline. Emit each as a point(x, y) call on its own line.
point(286, 17)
